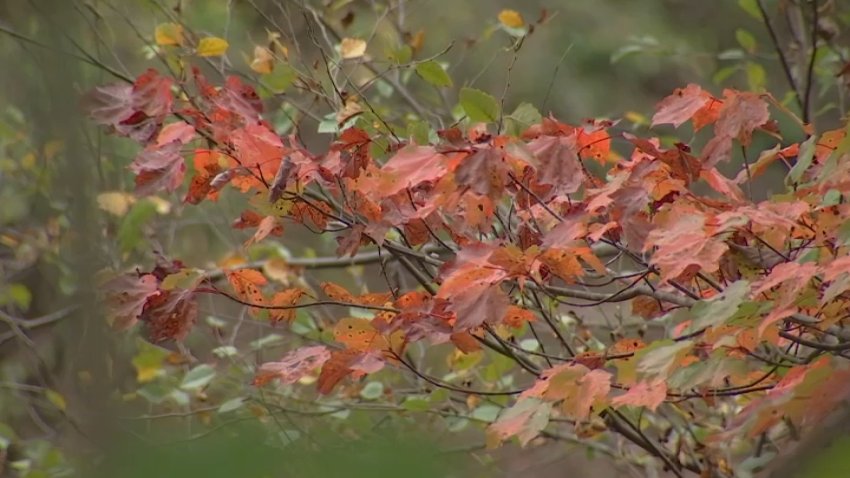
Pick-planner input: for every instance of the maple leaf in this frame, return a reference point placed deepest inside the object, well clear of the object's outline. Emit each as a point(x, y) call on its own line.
point(110, 104)
point(268, 225)
point(160, 166)
point(293, 365)
point(485, 172)
point(525, 419)
point(593, 141)
point(359, 334)
point(411, 166)
point(681, 106)
point(647, 393)
point(478, 303)
point(741, 114)
point(259, 150)
point(126, 296)
point(207, 168)
point(582, 390)
point(170, 315)
point(517, 316)
point(137, 110)
point(247, 284)
point(158, 169)
point(682, 240)
point(239, 99)
point(557, 163)
point(337, 367)
point(289, 297)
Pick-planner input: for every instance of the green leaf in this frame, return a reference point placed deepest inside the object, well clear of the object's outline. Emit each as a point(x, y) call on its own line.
point(7, 436)
point(486, 413)
point(266, 341)
point(526, 114)
point(280, 79)
point(756, 76)
point(225, 351)
point(723, 74)
point(130, 230)
point(372, 391)
point(746, 40)
point(751, 7)
point(479, 106)
point(416, 404)
point(522, 117)
point(231, 405)
point(149, 361)
point(183, 279)
point(420, 131)
point(804, 160)
point(661, 357)
point(401, 55)
point(433, 73)
point(731, 54)
point(198, 377)
point(16, 294)
point(56, 399)
point(718, 309)
point(155, 392)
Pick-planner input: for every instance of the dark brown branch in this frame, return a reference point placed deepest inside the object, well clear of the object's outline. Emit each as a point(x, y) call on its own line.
point(786, 67)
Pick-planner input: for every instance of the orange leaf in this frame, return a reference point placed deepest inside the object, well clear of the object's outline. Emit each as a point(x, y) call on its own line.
point(516, 316)
point(337, 292)
point(247, 284)
point(287, 297)
point(359, 334)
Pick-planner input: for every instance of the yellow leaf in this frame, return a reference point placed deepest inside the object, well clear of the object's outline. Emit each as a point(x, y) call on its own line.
point(417, 40)
point(212, 46)
point(263, 61)
point(169, 34)
point(511, 19)
point(352, 48)
point(56, 399)
point(115, 202)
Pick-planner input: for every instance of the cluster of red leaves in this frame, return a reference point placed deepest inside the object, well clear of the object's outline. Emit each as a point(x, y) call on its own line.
point(169, 312)
point(525, 212)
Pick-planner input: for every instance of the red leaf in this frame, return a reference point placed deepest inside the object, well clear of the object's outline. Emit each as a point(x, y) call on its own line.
point(258, 149)
point(207, 168)
point(293, 365)
point(647, 394)
point(170, 315)
point(683, 239)
point(741, 114)
point(411, 166)
point(335, 369)
point(525, 419)
point(158, 169)
point(268, 225)
point(681, 106)
point(485, 172)
point(476, 303)
point(135, 111)
point(557, 163)
point(126, 297)
point(152, 94)
point(110, 104)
